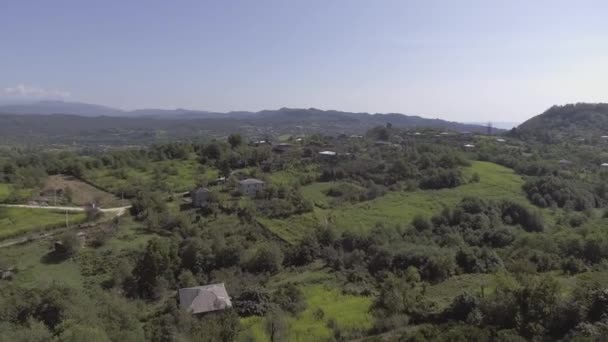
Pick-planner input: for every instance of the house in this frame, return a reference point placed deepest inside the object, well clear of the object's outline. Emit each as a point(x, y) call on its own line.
point(280, 148)
point(564, 162)
point(469, 146)
point(259, 143)
point(203, 299)
point(604, 165)
point(200, 197)
point(328, 155)
point(221, 180)
point(7, 274)
point(501, 140)
point(250, 186)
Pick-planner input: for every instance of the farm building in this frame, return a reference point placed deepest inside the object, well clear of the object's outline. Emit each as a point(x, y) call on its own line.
point(200, 197)
point(327, 155)
point(203, 299)
point(251, 186)
point(280, 148)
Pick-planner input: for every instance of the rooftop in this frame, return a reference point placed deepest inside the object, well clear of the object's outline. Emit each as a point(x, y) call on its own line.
point(206, 298)
point(251, 181)
point(328, 153)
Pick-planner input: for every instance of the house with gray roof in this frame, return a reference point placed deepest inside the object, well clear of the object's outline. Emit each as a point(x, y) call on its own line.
point(203, 299)
point(250, 186)
point(200, 197)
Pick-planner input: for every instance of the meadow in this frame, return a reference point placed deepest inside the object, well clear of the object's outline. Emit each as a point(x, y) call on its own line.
point(16, 221)
point(7, 189)
point(326, 305)
point(398, 208)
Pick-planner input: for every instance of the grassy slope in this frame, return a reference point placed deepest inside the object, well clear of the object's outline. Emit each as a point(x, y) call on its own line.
point(33, 271)
point(496, 182)
point(15, 221)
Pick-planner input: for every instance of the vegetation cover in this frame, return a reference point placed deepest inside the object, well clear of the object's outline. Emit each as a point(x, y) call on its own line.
point(398, 235)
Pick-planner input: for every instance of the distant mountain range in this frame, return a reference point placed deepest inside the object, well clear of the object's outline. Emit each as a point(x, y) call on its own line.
point(61, 121)
point(280, 115)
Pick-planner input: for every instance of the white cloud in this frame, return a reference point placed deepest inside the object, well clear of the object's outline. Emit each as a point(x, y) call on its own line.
point(28, 91)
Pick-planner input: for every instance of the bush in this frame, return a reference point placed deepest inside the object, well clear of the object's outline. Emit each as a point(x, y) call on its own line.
point(290, 298)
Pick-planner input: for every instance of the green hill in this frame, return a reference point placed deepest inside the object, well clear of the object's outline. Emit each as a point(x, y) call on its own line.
point(581, 120)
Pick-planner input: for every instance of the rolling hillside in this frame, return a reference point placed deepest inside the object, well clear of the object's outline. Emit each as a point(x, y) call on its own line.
point(583, 120)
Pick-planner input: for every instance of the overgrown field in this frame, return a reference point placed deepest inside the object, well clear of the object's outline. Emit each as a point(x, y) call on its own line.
point(83, 193)
point(173, 176)
point(326, 307)
point(398, 208)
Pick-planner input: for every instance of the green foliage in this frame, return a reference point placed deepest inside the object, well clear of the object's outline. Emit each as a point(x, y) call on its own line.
point(155, 270)
point(289, 298)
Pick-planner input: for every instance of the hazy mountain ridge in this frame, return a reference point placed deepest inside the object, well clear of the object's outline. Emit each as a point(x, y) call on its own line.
point(145, 125)
point(279, 115)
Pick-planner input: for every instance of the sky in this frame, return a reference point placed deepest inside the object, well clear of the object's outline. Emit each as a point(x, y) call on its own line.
point(503, 61)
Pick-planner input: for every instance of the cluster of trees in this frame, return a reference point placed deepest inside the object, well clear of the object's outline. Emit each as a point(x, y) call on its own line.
point(424, 165)
point(561, 192)
point(65, 314)
point(282, 202)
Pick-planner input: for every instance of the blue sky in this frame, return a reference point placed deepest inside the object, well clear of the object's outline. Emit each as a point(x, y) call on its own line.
point(457, 60)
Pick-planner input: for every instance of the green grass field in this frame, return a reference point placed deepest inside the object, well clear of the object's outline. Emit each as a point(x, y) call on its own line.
point(17, 221)
point(398, 208)
point(496, 182)
point(350, 313)
point(7, 189)
point(33, 272)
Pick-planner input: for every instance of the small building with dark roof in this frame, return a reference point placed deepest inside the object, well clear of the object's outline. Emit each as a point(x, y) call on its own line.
point(250, 186)
point(200, 197)
point(282, 147)
point(202, 299)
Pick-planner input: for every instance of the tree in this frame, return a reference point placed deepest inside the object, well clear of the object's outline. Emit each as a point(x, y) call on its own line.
point(156, 267)
point(267, 259)
point(68, 244)
point(276, 325)
point(290, 298)
point(235, 140)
